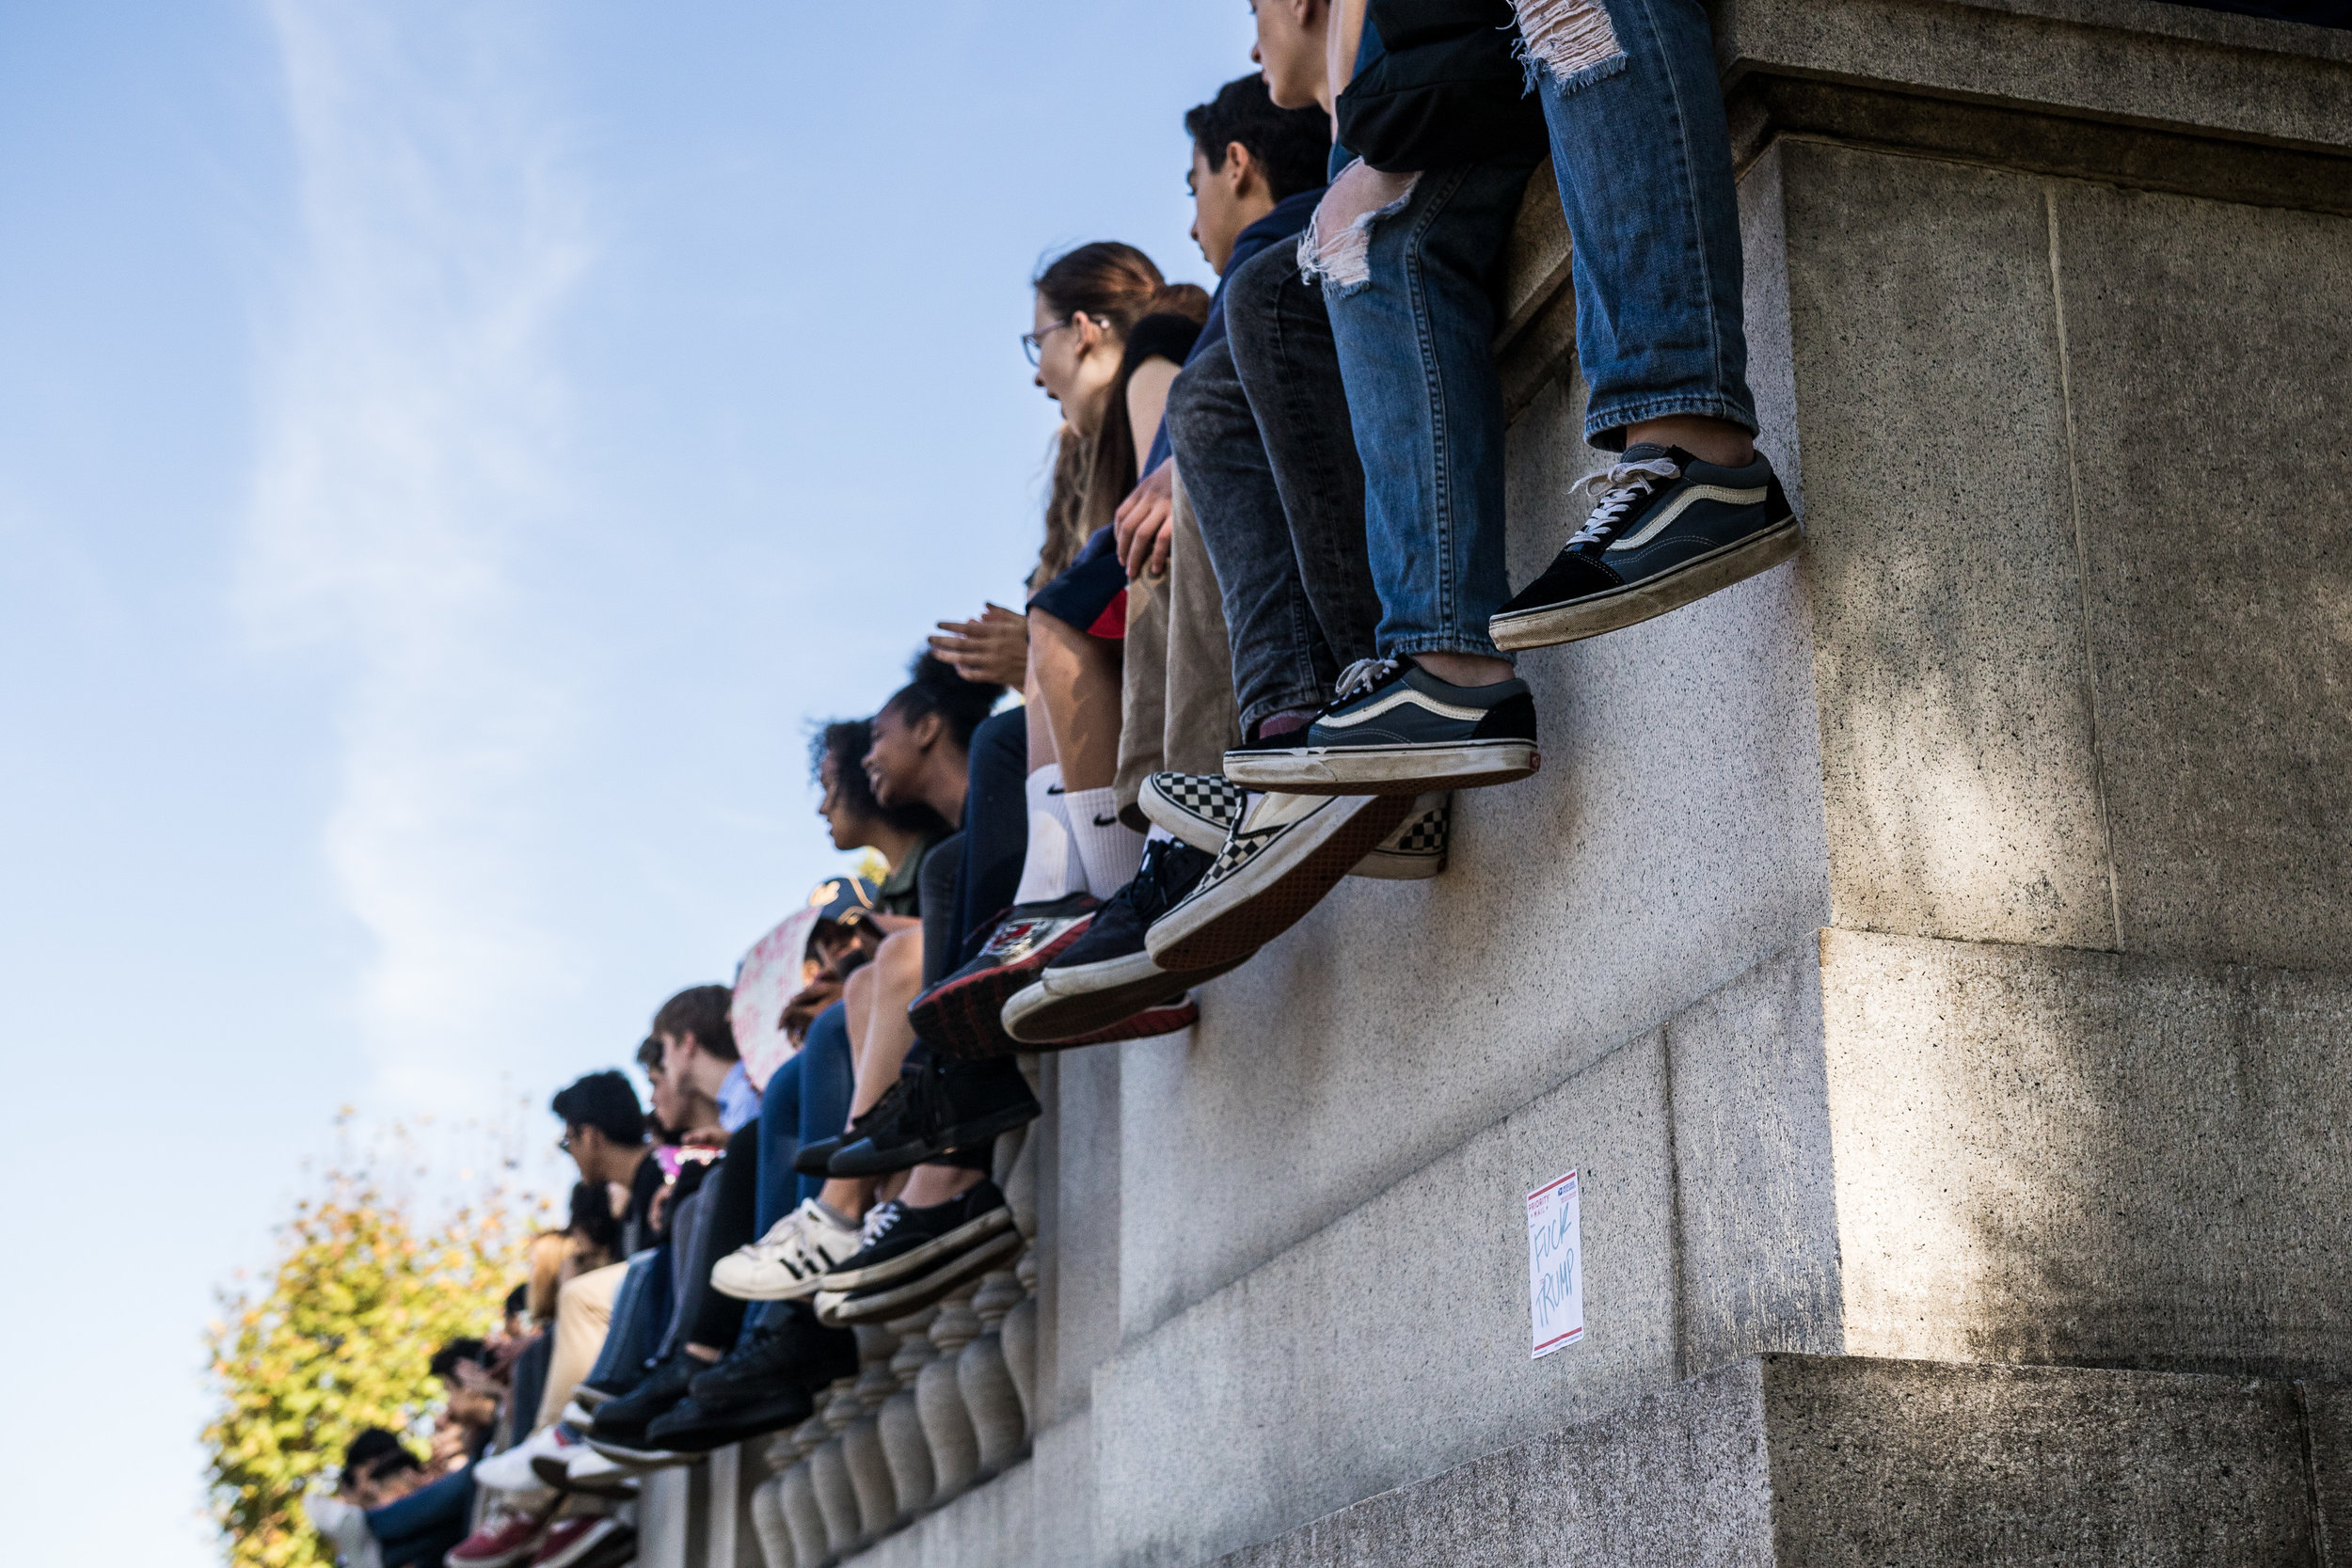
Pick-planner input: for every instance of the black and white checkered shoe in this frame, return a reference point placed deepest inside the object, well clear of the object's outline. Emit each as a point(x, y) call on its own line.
point(1199, 808)
point(1280, 860)
point(1417, 848)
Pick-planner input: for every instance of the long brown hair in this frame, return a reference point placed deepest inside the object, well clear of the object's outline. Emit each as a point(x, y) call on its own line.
point(1117, 285)
point(1063, 503)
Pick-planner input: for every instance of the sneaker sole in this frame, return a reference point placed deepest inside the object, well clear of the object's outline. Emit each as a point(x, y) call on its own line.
point(643, 1459)
point(1269, 896)
point(1106, 995)
point(915, 1260)
point(603, 1486)
point(1386, 865)
point(742, 1428)
point(913, 1296)
point(1387, 770)
point(506, 1558)
point(966, 1010)
point(1636, 602)
point(797, 1289)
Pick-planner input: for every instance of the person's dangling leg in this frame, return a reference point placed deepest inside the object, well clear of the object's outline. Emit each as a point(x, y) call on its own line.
point(1408, 287)
point(1078, 684)
point(1644, 157)
point(780, 1141)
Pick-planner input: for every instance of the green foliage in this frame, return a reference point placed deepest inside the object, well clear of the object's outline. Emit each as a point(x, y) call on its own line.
point(340, 1342)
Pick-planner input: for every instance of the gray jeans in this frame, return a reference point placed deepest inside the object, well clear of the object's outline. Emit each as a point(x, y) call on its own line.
point(1262, 435)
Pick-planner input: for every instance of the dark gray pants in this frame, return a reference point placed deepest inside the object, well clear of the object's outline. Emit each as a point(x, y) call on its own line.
point(1268, 458)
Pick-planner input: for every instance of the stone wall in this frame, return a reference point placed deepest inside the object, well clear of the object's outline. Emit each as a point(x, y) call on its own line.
point(1936, 955)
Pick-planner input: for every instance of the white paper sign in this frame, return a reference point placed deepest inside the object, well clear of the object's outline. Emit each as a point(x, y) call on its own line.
point(1556, 1266)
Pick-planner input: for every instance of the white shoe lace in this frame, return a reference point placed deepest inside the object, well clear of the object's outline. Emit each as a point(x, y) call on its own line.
point(1363, 675)
point(881, 1219)
point(1620, 486)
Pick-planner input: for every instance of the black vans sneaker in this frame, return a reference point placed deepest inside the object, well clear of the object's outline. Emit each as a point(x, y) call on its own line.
point(1668, 529)
point(948, 1105)
point(619, 1431)
point(959, 1014)
point(1396, 728)
point(1282, 859)
point(765, 1386)
point(1107, 976)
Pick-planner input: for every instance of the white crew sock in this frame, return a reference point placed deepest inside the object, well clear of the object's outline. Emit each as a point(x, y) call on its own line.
point(1110, 851)
point(1051, 868)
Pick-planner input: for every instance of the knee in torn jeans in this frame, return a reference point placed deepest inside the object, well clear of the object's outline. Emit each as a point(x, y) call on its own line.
point(1336, 250)
point(1570, 39)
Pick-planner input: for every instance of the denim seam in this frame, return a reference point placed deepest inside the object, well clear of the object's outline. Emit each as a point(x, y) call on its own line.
point(1434, 643)
point(1687, 168)
point(1442, 520)
point(1599, 421)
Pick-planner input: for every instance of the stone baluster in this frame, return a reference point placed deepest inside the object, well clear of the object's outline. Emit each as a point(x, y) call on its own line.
point(860, 1441)
point(903, 1443)
point(1019, 1334)
point(989, 1392)
point(770, 1524)
point(938, 1399)
point(812, 1542)
point(836, 1496)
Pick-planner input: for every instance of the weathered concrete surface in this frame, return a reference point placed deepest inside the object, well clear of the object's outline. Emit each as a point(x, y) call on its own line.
point(1395, 1341)
point(1798, 1461)
point(992, 1525)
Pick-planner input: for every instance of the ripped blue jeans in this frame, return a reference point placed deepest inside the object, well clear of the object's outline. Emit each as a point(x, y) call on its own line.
point(1637, 139)
point(1409, 286)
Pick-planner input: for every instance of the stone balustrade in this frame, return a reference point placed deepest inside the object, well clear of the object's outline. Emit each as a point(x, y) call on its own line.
point(940, 1402)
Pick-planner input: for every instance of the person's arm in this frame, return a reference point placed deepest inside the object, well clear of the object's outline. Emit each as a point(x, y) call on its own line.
point(1144, 520)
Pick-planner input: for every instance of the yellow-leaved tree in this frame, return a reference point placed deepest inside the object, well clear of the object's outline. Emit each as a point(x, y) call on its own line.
point(340, 1341)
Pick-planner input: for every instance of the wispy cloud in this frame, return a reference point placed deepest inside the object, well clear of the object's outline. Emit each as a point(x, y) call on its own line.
point(408, 472)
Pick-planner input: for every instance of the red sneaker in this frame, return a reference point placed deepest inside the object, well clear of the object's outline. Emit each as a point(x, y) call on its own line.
point(589, 1541)
point(505, 1540)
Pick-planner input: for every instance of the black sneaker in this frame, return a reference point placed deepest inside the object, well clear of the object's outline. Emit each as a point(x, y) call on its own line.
point(948, 1105)
point(816, 1159)
point(766, 1385)
point(1396, 728)
point(620, 1429)
point(959, 1014)
point(1668, 529)
point(1282, 859)
point(1107, 975)
point(916, 1256)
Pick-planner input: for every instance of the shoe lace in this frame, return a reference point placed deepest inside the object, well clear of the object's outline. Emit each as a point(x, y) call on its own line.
point(1361, 676)
point(1618, 487)
point(884, 1215)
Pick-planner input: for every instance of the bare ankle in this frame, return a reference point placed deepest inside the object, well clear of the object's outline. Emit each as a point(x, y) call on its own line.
point(1465, 669)
point(1717, 441)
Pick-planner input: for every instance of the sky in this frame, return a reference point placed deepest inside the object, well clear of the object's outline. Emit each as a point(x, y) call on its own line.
point(449, 452)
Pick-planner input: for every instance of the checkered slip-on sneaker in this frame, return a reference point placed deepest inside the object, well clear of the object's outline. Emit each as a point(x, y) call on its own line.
point(1277, 864)
point(1199, 808)
point(1416, 849)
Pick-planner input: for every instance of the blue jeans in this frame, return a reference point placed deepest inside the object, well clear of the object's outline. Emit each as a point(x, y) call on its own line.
point(421, 1527)
point(807, 1100)
point(639, 1307)
point(1415, 340)
point(1639, 142)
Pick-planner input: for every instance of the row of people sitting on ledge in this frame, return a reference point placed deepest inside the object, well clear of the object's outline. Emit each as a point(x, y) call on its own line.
point(1269, 632)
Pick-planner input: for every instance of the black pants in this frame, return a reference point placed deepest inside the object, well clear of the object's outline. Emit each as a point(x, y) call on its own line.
point(729, 1221)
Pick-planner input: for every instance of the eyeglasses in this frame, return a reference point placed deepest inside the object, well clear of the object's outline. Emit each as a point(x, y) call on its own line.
point(564, 1144)
point(1033, 343)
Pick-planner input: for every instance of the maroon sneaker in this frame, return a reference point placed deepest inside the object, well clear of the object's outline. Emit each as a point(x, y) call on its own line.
point(589, 1540)
point(503, 1540)
point(960, 1015)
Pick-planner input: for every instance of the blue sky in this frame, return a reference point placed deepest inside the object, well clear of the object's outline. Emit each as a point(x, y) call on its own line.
point(447, 451)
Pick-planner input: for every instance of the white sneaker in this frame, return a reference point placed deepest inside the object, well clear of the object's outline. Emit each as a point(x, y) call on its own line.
point(510, 1471)
point(594, 1474)
point(344, 1527)
point(787, 1263)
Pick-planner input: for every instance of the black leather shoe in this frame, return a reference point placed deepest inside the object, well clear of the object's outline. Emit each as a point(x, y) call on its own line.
point(620, 1427)
point(816, 1159)
point(788, 1348)
point(949, 1105)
